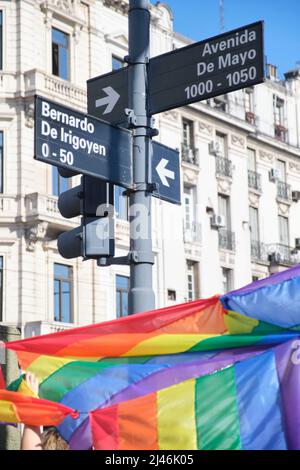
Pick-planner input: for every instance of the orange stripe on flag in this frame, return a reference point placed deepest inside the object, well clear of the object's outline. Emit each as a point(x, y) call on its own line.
point(138, 424)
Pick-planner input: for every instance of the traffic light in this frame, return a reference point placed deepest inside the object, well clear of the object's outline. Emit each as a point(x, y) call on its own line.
point(94, 238)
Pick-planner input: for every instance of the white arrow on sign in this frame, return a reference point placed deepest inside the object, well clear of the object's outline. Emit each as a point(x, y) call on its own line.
point(163, 173)
point(110, 99)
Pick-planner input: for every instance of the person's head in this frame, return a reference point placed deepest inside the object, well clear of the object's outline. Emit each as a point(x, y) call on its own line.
point(51, 440)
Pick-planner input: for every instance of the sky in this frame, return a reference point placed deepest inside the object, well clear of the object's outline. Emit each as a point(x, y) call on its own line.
point(200, 19)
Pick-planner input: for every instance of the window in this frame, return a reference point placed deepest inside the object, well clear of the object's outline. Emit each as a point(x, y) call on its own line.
point(121, 203)
point(122, 290)
point(254, 227)
point(117, 63)
point(63, 280)
point(281, 168)
point(189, 213)
point(171, 294)
point(278, 110)
point(1, 161)
point(279, 119)
point(224, 210)
point(59, 183)
point(249, 105)
point(60, 54)
point(1, 288)
point(190, 281)
point(187, 133)
point(1, 40)
point(251, 159)
point(227, 280)
point(221, 143)
point(249, 102)
point(284, 238)
point(189, 153)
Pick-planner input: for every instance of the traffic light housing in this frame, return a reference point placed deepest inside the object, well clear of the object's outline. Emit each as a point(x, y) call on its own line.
point(94, 238)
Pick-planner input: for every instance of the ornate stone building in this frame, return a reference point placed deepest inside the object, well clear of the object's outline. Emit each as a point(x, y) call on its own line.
point(240, 170)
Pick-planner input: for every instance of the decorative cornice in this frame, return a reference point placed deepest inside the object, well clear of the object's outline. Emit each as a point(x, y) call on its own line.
point(224, 186)
point(29, 114)
point(72, 10)
point(266, 156)
point(238, 141)
point(118, 5)
point(283, 209)
point(205, 128)
point(253, 199)
point(34, 233)
point(294, 167)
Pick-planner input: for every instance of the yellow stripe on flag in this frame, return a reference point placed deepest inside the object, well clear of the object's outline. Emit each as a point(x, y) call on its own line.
point(167, 344)
point(176, 417)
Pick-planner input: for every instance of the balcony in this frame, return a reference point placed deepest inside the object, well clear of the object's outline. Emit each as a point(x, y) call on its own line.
point(280, 132)
point(283, 255)
point(223, 167)
point(189, 155)
point(259, 252)
point(192, 233)
point(226, 240)
point(41, 207)
point(250, 117)
point(284, 191)
point(38, 82)
point(36, 328)
point(254, 180)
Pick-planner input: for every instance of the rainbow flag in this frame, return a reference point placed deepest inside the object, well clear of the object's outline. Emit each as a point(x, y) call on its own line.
point(102, 369)
point(19, 408)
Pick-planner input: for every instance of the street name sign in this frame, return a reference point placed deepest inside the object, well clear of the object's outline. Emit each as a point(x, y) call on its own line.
point(108, 96)
point(78, 142)
point(209, 68)
point(166, 172)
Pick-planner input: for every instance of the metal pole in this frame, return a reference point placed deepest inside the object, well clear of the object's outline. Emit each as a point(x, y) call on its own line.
point(141, 295)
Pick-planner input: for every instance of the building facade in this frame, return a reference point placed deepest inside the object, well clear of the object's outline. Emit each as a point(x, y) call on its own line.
point(240, 173)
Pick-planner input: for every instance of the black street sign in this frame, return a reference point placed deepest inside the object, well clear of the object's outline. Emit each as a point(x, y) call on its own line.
point(108, 96)
point(78, 142)
point(166, 172)
point(209, 68)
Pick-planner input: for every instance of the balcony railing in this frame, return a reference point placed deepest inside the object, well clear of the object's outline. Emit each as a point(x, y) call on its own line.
point(36, 328)
point(223, 167)
point(250, 117)
point(283, 255)
point(280, 132)
point(259, 251)
point(254, 180)
point(283, 190)
point(189, 155)
point(226, 239)
point(192, 232)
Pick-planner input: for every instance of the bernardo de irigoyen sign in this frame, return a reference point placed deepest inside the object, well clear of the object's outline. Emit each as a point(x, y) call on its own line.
point(69, 139)
point(209, 68)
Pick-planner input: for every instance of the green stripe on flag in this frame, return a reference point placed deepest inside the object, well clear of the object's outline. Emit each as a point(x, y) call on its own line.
point(217, 420)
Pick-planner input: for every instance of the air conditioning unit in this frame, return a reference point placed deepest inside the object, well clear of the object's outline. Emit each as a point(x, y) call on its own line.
point(297, 243)
point(296, 196)
point(274, 174)
point(275, 258)
point(217, 221)
point(214, 148)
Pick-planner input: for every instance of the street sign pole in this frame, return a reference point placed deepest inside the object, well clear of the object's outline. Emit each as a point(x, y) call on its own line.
point(141, 294)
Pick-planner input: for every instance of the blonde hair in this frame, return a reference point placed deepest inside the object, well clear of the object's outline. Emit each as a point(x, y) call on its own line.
point(52, 440)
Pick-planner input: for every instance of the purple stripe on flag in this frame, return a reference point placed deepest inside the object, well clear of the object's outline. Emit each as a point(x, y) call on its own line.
point(268, 281)
point(288, 368)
